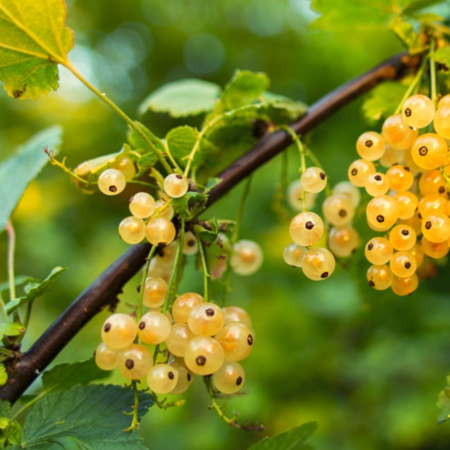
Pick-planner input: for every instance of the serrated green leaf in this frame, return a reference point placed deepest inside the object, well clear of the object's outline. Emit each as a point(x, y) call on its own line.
point(5, 408)
point(10, 329)
point(190, 205)
point(84, 417)
point(205, 234)
point(212, 183)
point(3, 375)
point(18, 281)
point(35, 291)
point(11, 434)
point(140, 146)
point(244, 88)
point(18, 170)
point(282, 109)
point(182, 98)
point(65, 376)
point(181, 140)
point(383, 100)
point(294, 438)
point(442, 56)
point(33, 39)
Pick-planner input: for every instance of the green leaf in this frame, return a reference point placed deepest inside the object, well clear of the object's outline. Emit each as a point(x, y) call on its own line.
point(383, 100)
point(205, 234)
point(3, 376)
point(442, 56)
point(10, 329)
point(212, 183)
point(294, 438)
point(190, 205)
point(12, 434)
point(181, 140)
point(404, 30)
point(244, 88)
point(35, 290)
point(19, 169)
point(282, 109)
point(65, 376)
point(182, 98)
point(33, 39)
point(349, 15)
point(84, 417)
point(18, 281)
point(5, 409)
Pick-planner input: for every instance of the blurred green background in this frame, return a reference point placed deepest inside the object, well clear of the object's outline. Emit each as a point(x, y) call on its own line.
point(367, 367)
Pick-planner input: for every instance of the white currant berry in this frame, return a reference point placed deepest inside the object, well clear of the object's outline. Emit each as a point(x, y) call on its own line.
point(105, 357)
point(338, 210)
point(205, 319)
point(142, 205)
point(418, 111)
point(235, 339)
point(175, 185)
point(184, 304)
point(178, 339)
point(111, 182)
point(160, 231)
point(155, 290)
point(203, 355)
point(164, 209)
point(343, 241)
point(190, 244)
point(318, 264)
point(132, 230)
point(162, 378)
point(134, 362)
point(230, 378)
point(154, 328)
point(236, 314)
point(247, 257)
point(306, 228)
point(119, 331)
point(293, 255)
point(350, 190)
point(313, 180)
point(125, 165)
point(295, 197)
point(185, 378)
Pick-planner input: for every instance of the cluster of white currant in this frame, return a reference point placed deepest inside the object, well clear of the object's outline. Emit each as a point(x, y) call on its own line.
point(307, 228)
point(411, 198)
point(201, 339)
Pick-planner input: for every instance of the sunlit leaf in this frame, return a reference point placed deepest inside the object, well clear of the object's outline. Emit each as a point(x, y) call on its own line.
point(10, 329)
point(33, 40)
point(294, 438)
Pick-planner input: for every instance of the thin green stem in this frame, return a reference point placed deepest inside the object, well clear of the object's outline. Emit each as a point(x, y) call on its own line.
point(11, 279)
point(135, 421)
point(6, 352)
point(29, 404)
point(433, 73)
point(171, 158)
point(206, 277)
point(142, 285)
point(121, 114)
point(317, 163)
point(215, 405)
point(63, 167)
point(413, 84)
point(143, 183)
point(174, 277)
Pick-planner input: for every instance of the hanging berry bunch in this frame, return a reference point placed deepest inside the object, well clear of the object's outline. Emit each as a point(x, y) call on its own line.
point(409, 205)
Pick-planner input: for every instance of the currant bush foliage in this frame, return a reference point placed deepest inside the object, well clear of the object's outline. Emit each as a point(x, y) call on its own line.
point(33, 40)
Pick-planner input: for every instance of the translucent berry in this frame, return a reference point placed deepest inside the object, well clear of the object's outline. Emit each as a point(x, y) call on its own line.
point(432, 203)
point(190, 244)
point(119, 331)
point(392, 157)
point(235, 314)
point(180, 335)
point(134, 362)
point(230, 378)
point(318, 264)
point(203, 355)
point(184, 304)
point(314, 180)
point(185, 378)
point(247, 257)
point(175, 185)
point(306, 228)
point(344, 241)
point(112, 182)
point(405, 286)
point(206, 319)
point(293, 255)
point(338, 210)
point(435, 250)
point(162, 379)
point(154, 328)
point(402, 237)
point(379, 251)
point(125, 165)
point(370, 146)
point(436, 227)
point(105, 357)
point(418, 253)
point(359, 171)
point(407, 204)
point(142, 205)
point(377, 184)
point(160, 231)
point(444, 102)
point(400, 178)
point(418, 111)
point(164, 210)
point(409, 162)
point(442, 121)
point(382, 212)
point(236, 340)
point(429, 151)
point(403, 264)
point(295, 197)
point(397, 134)
point(379, 277)
point(132, 230)
point(348, 189)
point(415, 223)
point(155, 289)
point(432, 182)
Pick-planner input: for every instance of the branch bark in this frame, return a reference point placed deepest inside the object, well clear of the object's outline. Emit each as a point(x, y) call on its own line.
point(104, 290)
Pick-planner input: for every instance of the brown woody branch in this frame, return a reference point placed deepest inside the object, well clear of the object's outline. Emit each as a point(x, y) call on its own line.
point(104, 290)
